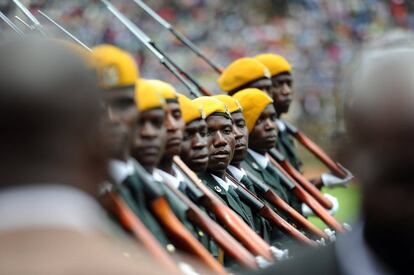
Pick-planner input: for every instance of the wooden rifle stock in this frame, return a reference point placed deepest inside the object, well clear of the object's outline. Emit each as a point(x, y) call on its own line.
point(131, 223)
point(300, 220)
point(229, 245)
point(270, 196)
point(315, 150)
point(176, 231)
point(267, 213)
point(315, 192)
point(180, 235)
point(238, 228)
point(310, 201)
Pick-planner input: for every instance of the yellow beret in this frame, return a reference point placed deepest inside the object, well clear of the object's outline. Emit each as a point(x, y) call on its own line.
point(233, 105)
point(253, 102)
point(275, 63)
point(211, 105)
point(116, 68)
point(189, 109)
point(241, 72)
point(166, 90)
point(147, 96)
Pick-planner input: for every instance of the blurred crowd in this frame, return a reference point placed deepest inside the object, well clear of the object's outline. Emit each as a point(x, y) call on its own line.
point(317, 36)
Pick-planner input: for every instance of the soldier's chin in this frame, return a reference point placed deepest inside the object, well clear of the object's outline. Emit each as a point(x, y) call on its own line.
point(282, 108)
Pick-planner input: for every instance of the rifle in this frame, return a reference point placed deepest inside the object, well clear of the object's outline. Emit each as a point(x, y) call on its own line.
point(316, 151)
point(307, 198)
point(229, 245)
point(154, 49)
point(240, 230)
point(266, 212)
point(178, 35)
point(309, 187)
point(36, 24)
point(11, 24)
point(131, 223)
point(65, 31)
point(270, 196)
point(176, 231)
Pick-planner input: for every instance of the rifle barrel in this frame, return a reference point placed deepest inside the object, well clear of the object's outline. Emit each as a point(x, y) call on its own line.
point(36, 23)
point(146, 41)
point(11, 24)
point(178, 35)
point(64, 30)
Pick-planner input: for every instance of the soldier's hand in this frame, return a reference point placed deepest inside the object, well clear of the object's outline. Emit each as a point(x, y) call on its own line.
point(331, 181)
point(279, 254)
point(307, 211)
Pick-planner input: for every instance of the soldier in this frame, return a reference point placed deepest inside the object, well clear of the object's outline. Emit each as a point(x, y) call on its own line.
point(194, 150)
point(245, 73)
point(269, 233)
point(260, 117)
point(118, 73)
point(150, 139)
point(221, 145)
point(281, 93)
point(53, 160)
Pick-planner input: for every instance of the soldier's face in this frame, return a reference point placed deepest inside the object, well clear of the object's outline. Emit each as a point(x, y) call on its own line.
point(264, 84)
point(264, 134)
point(149, 138)
point(174, 125)
point(241, 136)
point(281, 92)
point(194, 150)
point(122, 114)
point(221, 142)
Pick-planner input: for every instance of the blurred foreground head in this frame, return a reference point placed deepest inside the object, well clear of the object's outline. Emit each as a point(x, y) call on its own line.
point(380, 123)
point(49, 116)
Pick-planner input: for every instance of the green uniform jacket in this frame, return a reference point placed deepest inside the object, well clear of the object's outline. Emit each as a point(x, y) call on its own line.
point(268, 232)
point(286, 145)
point(274, 182)
point(234, 203)
point(180, 210)
point(132, 193)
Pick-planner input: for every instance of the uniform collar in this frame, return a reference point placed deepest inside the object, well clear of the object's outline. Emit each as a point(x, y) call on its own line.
point(280, 125)
point(224, 184)
point(236, 172)
point(173, 181)
point(261, 160)
point(51, 206)
point(120, 170)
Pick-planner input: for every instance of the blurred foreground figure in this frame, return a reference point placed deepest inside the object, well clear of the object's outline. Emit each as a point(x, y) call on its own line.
point(53, 159)
point(380, 124)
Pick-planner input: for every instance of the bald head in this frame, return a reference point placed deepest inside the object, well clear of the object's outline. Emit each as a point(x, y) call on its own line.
point(49, 112)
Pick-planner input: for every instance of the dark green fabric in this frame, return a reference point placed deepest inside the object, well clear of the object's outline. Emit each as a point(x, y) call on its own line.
point(270, 233)
point(267, 231)
point(229, 198)
point(131, 191)
point(273, 180)
point(293, 199)
point(286, 145)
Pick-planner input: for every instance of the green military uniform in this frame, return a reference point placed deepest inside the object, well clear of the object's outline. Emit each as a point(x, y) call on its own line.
point(269, 176)
point(180, 210)
point(286, 145)
point(132, 193)
point(267, 231)
point(232, 200)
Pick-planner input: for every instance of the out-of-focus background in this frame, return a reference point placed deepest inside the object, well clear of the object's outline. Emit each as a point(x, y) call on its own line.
point(317, 36)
